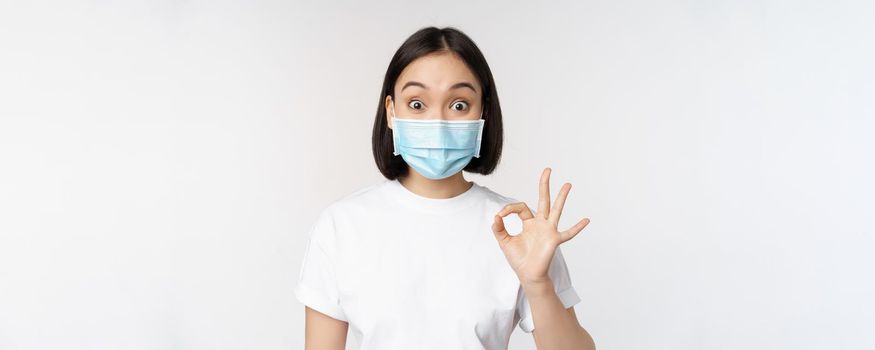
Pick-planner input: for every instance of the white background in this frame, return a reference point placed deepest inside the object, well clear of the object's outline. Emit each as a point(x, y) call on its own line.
point(161, 162)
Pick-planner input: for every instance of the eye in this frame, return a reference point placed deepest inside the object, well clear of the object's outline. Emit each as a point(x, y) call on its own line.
point(460, 106)
point(415, 104)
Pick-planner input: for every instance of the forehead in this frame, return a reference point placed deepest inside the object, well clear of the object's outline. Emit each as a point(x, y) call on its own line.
point(438, 70)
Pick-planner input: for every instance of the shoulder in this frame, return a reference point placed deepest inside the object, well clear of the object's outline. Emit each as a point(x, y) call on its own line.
point(341, 209)
point(501, 200)
point(370, 196)
point(495, 197)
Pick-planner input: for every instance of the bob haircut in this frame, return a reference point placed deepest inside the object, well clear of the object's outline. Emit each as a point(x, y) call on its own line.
point(427, 41)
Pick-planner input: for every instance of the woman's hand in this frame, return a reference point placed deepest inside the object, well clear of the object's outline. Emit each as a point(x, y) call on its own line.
point(530, 252)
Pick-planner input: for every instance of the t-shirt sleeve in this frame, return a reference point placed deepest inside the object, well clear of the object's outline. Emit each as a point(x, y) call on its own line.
point(317, 282)
point(558, 273)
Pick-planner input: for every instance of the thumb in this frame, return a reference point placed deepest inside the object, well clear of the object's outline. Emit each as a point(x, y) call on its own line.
point(498, 229)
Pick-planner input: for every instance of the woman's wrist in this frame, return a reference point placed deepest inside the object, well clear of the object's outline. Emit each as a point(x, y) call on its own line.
point(538, 287)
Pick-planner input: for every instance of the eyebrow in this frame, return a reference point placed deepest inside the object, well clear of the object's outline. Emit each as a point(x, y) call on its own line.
point(463, 84)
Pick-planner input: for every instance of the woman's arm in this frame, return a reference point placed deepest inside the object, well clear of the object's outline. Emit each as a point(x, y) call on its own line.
point(557, 327)
point(323, 332)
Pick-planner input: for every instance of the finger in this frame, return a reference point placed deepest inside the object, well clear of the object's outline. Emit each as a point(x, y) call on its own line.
point(499, 231)
point(544, 198)
point(556, 211)
point(520, 208)
point(568, 234)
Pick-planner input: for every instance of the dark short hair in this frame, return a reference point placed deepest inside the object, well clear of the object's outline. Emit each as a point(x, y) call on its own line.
point(426, 41)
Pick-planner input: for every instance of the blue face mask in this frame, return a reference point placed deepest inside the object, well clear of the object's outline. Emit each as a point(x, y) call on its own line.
point(437, 149)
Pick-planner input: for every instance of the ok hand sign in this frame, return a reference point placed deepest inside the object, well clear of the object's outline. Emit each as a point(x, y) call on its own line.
point(530, 252)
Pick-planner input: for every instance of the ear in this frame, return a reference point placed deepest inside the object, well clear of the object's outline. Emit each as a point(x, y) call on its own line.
point(388, 108)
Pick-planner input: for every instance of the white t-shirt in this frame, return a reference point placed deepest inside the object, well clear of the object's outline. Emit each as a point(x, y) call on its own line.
point(411, 272)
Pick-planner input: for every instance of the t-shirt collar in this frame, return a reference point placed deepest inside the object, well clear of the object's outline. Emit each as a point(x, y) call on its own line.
point(433, 205)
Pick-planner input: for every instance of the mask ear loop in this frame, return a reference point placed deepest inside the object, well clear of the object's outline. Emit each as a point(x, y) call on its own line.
point(480, 130)
point(394, 131)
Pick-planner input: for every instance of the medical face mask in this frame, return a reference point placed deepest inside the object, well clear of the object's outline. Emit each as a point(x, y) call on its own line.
point(436, 148)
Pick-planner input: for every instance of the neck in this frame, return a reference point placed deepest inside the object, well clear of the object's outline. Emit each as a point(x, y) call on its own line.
point(438, 189)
